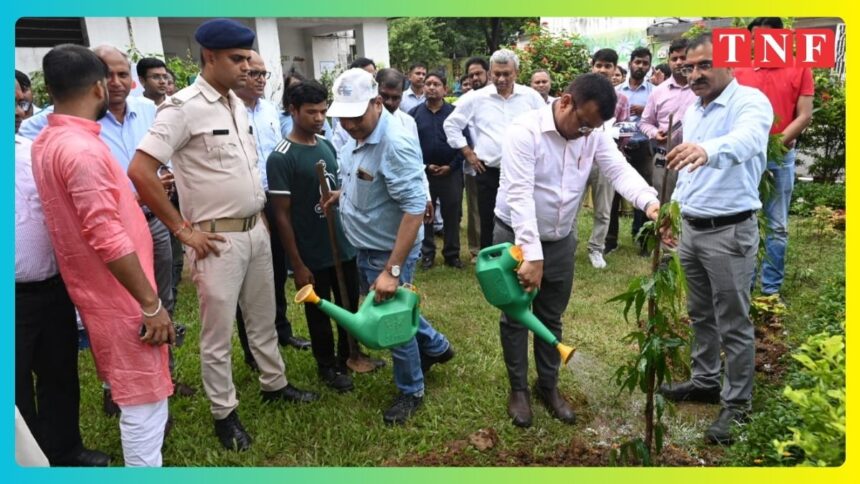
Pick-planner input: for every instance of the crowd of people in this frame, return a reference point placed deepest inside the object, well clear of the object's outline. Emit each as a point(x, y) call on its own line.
point(112, 189)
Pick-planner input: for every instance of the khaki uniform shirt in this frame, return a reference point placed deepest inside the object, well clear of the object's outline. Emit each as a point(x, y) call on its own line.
point(208, 139)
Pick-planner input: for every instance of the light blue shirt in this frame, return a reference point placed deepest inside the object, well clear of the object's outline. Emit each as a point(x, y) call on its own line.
point(122, 139)
point(410, 100)
point(263, 118)
point(639, 97)
point(733, 129)
point(371, 209)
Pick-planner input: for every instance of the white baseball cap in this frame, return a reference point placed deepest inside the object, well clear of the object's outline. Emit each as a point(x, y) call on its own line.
point(352, 91)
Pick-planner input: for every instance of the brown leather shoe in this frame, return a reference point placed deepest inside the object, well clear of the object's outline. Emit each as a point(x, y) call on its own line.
point(556, 404)
point(520, 408)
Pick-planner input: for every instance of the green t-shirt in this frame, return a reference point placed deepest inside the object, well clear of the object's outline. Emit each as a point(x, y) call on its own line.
point(291, 170)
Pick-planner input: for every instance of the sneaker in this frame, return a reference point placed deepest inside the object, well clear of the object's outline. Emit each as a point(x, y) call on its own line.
point(427, 262)
point(338, 381)
point(402, 408)
point(232, 434)
point(596, 259)
point(427, 361)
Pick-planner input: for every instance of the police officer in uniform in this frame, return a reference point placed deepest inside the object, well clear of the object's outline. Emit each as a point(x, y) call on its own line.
point(204, 130)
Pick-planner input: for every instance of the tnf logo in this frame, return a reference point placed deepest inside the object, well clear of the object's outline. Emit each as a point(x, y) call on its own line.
point(774, 48)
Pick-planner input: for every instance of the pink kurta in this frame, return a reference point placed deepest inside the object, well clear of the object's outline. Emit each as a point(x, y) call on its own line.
point(93, 219)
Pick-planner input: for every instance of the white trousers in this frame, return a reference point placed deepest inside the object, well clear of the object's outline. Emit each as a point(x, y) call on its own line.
point(141, 429)
point(27, 450)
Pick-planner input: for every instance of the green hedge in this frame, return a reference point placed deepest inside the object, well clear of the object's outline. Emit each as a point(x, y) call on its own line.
point(808, 195)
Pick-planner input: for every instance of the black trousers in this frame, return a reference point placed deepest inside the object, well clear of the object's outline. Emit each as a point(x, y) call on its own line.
point(548, 306)
point(448, 190)
point(46, 346)
point(279, 267)
point(488, 186)
point(640, 157)
point(319, 324)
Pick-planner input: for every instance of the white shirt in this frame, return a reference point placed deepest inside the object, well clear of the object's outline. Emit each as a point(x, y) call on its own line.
point(34, 254)
point(489, 114)
point(544, 175)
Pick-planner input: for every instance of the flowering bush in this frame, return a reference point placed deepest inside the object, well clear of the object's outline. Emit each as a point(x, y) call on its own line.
point(564, 56)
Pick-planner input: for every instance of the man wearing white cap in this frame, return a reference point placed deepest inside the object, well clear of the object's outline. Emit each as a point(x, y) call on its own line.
point(382, 202)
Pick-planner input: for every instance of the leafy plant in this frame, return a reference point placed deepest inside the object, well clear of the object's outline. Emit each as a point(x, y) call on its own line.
point(807, 196)
point(659, 337)
point(766, 309)
point(824, 139)
point(819, 438)
point(185, 69)
point(413, 39)
point(565, 56)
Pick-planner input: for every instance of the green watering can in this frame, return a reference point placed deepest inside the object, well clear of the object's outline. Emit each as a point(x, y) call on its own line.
point(390, 323)
point(497, 274)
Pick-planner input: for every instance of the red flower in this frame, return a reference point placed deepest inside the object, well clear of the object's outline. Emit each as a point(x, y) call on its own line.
point(567, 43)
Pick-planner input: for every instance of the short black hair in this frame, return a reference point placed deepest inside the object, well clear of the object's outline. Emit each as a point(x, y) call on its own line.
point(622, 69)
point(390, 78)
point(417, 65)
point(285, 97)
point(605, 55)
point(362, 62)
point(70, 70)
point(594, 87)
point(476, 60)
point(699, 40)
point(293, 75)
point(147, 63)
point(464, 78)
point(23, 80)
point(769, 22)
point(664, 68)
point(438, 75)
point(536, 71)
point(640, 52)
point(308, 91)
point(172, 75)
point(678, 44)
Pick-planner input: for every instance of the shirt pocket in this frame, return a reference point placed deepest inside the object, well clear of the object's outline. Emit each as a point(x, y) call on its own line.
point(223, 151)
point(363, 194)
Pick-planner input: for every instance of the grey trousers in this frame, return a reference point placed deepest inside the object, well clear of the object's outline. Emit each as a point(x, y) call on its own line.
point(719, 264)
point(602, 193)
point(162, 251)
point(548, 306)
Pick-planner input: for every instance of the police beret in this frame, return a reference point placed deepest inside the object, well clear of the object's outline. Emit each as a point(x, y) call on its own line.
point(224, 33)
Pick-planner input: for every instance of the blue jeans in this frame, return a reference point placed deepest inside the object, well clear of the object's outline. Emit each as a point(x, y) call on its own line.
point(776, 211)
point(407, 358)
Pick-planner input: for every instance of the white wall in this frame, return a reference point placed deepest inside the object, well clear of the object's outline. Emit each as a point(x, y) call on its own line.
point(295, 49)
point(123, 32)
point(329, 51)
point(269, 48)
point(371, 41)
point(29, 59)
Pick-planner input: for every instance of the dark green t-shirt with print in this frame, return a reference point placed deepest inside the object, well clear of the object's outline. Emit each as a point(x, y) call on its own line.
point(291, 169)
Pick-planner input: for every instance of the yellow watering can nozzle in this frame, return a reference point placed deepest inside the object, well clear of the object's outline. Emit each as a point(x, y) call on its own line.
point(307, 295)
point(566, 352)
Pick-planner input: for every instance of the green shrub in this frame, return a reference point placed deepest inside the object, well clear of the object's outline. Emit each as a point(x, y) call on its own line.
point(824, 139)
point(807, 196)
point(819, 438)
point(565, 56)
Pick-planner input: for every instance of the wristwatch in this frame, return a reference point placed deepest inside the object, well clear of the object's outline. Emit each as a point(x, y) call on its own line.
point(394, 271)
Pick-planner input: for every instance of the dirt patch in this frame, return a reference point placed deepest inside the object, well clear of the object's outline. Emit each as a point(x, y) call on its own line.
point(769, 351)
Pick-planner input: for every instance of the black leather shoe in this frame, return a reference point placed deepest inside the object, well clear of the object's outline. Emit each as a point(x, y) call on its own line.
point(84, 458)
point(336, 380)
point(231, 434)
point(295, 342)
point(428, 361)
point(427, 262)
point(455, 263)
point(520, 408)
point(289, 394)
point(404, 406)
point(720, 432)
point(555, 404)
point(688, 392)
point(110, 408)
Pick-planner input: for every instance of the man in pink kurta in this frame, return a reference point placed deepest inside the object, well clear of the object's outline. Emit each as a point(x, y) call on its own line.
point(93, 219)
point(104, 249)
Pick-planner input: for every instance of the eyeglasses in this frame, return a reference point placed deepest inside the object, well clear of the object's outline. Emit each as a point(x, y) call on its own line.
point(259, 74)
point(583, 128)
point(159, 77)
point(24, 105)
point(703, 66)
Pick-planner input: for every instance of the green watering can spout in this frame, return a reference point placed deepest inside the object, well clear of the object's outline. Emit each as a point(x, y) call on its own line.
point(497, 275)
point(388, 324)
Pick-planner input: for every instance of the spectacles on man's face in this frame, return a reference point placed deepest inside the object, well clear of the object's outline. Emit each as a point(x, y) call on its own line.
point(159, 77)
point(583, 127)
point(24, 105)
point(703, 66)
point(259, 74)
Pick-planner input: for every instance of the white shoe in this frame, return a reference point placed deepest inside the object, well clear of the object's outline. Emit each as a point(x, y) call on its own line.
point(596, 259)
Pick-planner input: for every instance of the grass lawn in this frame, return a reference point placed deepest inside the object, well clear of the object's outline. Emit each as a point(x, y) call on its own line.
point(465, 395)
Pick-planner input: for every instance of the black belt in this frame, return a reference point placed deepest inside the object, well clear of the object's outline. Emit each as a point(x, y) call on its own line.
point(712, 223)
point(37, 286)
